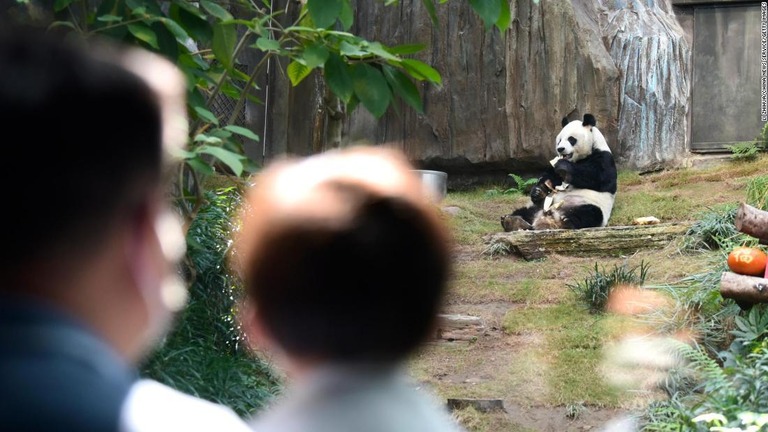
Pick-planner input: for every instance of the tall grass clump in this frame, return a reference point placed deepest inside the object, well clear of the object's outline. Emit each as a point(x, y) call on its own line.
point(715, 230)
point(757, 192)
point(597, 287)
point(205, 354)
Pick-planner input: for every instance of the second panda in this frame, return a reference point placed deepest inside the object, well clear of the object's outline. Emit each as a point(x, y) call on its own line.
point(578, 190)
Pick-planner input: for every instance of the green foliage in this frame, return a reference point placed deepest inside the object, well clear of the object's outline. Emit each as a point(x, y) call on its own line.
point(596, 288)
point(757, 192)
point(205, 354)
point(205, 40)
point(734, 396)
point(744, 151)
point(521, 187)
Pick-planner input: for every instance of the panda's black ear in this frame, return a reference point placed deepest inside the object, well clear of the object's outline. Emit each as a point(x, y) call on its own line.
point(589, 120)
point(564, 121)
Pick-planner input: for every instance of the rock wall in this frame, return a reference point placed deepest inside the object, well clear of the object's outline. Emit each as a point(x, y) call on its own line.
point(503, 95)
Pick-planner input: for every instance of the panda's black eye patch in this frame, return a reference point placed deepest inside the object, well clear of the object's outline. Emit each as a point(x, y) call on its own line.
point(572, 140)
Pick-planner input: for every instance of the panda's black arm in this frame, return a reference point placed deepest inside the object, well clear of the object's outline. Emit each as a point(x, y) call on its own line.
point(540, 190)
point(596, 172)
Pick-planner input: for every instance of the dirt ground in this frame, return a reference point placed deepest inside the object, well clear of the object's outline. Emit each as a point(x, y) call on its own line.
point(480, 369)
point(512, 366)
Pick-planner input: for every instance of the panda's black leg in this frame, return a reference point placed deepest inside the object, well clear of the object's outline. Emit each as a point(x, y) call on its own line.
point(520, 219)
point(583, 216)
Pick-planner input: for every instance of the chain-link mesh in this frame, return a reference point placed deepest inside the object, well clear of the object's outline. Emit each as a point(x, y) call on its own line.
point(222, 105)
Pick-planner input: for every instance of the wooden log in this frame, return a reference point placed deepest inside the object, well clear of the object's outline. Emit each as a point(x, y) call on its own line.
point(746, 290)
point(453, 327)
point(752, 221)
point(611, 241)
point(481, 405)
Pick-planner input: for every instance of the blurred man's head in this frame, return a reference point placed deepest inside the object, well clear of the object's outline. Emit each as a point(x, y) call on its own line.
point(344, 259)
point(84, 181)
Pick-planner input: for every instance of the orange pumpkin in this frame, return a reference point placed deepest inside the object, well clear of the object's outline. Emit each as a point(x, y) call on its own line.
point(747, 261)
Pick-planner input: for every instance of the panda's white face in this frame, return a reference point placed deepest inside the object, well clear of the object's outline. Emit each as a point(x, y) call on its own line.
point(575, 141)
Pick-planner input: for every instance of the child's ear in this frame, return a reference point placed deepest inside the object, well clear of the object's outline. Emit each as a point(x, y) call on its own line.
point(256, 335)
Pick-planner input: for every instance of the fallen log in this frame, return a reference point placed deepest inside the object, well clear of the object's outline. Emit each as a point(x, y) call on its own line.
point(453, 327)
point(610, 241)
point(752, 221)
point(481, 405)
point(745, 290)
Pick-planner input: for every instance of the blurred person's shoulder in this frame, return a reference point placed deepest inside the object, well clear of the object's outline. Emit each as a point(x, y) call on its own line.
point(152, 406)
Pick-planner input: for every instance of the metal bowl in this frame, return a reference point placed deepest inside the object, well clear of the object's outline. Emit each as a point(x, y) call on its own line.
point(435, 184)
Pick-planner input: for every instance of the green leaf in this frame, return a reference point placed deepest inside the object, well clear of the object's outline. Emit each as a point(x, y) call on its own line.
point(422, 71)
point(353, 103)
point(61, 24)
point(59, 5)
point(338, 77)
point(267, 44)
point(371, 88)
point(347, 15)
point(178, 32)
point(206, 115)
point(224, 42)
point(231, 159)
point(198, 28)
point(200, 166)
point(379, 50)
point(242, 131)
point(403, 87)
point(324, 12)
point(144, 34)
point(216, 10)
point(505, 17)
point(109, 18)
point(315, 55)
point(430, 6)
point(349, 50)
point(489, 10)
point(406, 49)
point(297, 72)
point(207, 139)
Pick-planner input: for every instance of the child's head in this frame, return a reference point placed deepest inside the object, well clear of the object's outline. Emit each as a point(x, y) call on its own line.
point(343, 258)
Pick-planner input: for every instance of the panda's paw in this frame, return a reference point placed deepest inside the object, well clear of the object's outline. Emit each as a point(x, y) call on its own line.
point(514, 223)
point(538, 194)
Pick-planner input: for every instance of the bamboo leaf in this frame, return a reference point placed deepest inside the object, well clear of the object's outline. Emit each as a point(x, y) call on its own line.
point(229, 158)
point(421, 71)
point(216, 10)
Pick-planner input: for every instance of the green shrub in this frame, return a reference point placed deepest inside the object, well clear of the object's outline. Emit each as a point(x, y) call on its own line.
point(596, 288)
point(704, 394)
point(744, 151)
point(205, 354)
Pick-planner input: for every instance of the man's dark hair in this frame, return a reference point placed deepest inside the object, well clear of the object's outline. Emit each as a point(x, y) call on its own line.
point(362, 287)
point(81, 140)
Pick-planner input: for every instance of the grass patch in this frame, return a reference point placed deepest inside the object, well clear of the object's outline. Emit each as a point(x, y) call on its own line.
point(574, 351)
point(667, 206)
point(507, 280)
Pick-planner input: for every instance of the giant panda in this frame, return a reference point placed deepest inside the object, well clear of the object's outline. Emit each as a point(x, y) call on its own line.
point(578, 190)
